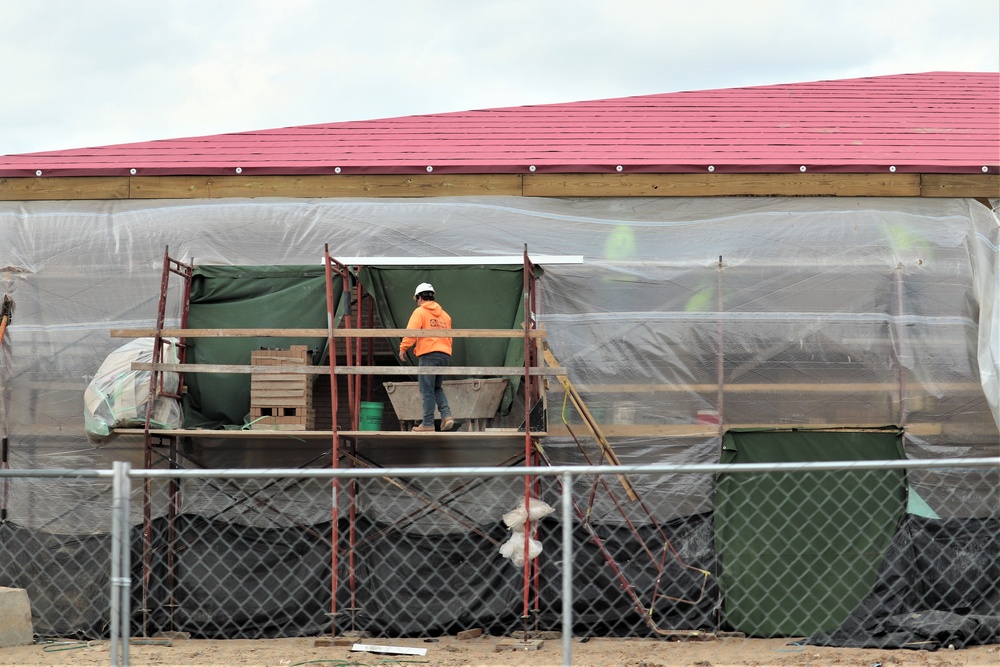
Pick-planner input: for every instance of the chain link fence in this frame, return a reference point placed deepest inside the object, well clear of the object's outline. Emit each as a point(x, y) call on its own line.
point(65, 571)
point(840, 554)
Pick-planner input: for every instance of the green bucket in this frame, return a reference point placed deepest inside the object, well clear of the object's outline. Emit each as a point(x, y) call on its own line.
point(370, 417)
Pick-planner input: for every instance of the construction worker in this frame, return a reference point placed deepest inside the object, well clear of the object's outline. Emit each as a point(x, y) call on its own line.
point(430, 352)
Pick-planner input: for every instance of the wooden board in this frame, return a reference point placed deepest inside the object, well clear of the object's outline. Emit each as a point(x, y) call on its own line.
point(324, 185)
point(960, 185)
point(715, 185)
point(64, 187)
point(503, 371)
point(323, 333)
point(518, 645)
point(590, 422)
point(225, 433)
point(529, 185)
point(298, 354)
point(709, 430)
point(270, 426)
point(390, 650)
point(397, 437)
point(755, 387)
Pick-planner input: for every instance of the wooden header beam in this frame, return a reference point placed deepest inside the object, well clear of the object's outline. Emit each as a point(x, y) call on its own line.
point(528, 185)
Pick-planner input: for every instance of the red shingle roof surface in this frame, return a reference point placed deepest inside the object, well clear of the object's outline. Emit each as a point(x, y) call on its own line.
point(938, 122)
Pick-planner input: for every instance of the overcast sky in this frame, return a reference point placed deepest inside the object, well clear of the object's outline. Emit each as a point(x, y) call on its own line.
point(95, 72)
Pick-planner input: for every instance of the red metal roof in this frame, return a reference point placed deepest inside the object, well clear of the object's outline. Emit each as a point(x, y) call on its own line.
point(938, 122)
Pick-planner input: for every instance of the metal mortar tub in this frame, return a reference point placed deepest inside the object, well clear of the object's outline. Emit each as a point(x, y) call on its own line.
point(472, 401)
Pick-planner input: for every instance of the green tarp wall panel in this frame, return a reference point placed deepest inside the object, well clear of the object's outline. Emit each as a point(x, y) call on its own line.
point(798, 552)
point(294, 297)
point(246, 297)
point(476, 297)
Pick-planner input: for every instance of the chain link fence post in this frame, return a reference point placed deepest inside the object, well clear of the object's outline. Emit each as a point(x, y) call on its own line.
point(567, 578)
point(121, 581)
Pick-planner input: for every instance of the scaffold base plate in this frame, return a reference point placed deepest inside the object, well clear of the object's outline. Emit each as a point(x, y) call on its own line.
point(519, 645)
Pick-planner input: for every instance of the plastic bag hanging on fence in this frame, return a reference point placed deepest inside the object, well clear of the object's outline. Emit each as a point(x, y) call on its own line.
point(117, 396)
point(515, 519)
point(514, 548)
point(537, 509)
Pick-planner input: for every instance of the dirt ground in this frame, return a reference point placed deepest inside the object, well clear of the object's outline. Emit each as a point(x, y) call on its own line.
point(483, 651)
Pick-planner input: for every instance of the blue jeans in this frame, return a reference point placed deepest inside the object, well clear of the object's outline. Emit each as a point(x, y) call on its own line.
point(430, 387)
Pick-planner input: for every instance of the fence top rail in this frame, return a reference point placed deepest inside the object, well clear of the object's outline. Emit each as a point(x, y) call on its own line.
point(60, 473)
point(540, 471)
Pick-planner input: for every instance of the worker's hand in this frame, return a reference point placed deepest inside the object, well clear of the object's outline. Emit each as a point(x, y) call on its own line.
point(402, 356)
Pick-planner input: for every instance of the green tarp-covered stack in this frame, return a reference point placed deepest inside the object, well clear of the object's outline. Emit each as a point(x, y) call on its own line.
point(784, 537)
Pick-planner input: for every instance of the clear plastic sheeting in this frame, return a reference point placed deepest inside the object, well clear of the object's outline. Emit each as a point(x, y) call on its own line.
point(756, 312)
point(118, 397)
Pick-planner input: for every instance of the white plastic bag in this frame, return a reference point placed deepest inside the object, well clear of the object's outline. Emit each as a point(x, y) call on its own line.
point(514, 548)
point(117, 396)
point(538, 509)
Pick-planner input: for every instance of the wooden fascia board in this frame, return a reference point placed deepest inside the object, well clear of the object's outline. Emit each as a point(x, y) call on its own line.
point(528, 185)
point(960, 185)
point(64, 187)
point(325, 186)
point(725, 185)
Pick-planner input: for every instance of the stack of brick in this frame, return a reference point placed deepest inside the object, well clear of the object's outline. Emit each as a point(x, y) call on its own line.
point(282, 401)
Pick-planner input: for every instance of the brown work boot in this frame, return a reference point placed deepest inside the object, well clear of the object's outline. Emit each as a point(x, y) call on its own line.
point(447, 424)
point(420, 428)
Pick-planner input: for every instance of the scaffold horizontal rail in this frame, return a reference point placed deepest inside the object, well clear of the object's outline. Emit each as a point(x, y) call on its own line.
point(323, 333)
point(507, 371)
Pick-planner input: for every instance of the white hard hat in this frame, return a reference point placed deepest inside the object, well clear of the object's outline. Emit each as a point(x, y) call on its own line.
point(423, 287)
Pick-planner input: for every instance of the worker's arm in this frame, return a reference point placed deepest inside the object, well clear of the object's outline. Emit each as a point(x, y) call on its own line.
point(415, 322)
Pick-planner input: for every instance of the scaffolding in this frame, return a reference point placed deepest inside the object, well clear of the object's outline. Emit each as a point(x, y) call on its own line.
point(354, 336)
point(351, 334)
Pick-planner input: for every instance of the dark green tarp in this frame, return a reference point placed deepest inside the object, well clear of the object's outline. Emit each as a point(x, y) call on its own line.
point(294, 297)
point(246, 297)
point(784, 537)
point(476, 297)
